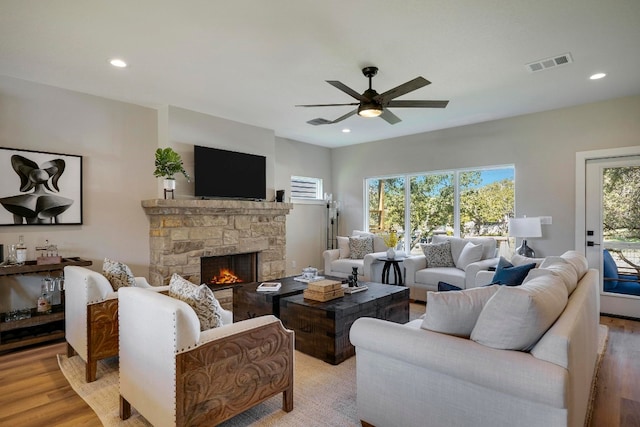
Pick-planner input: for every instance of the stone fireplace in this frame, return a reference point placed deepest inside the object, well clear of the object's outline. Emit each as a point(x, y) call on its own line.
point(182, 231)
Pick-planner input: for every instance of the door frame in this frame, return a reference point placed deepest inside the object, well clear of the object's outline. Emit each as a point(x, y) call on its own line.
point(581, 185)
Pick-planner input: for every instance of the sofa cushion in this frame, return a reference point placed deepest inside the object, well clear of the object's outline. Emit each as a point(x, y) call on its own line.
point(578, 261)
point(438, 254)
point(560, 267)
point(359, 246)
point(470, 253)
point(201, 300)
point(431, 276)
point(517, 260)
point(343, 247)
point(118, 274)
point(510, 275)
point(345, 266)
point(516, 317)
point(456, 312)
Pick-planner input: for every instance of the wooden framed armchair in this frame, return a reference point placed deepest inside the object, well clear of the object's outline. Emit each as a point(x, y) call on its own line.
point(91, 316)
point(176, 375)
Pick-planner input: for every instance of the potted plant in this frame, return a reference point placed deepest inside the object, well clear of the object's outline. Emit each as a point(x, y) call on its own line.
point(169, 163)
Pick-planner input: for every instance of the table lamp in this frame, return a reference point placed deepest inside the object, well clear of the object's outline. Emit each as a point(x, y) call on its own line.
point(525, 228)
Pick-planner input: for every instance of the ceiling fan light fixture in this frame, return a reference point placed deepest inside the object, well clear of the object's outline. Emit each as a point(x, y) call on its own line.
point(369, 110)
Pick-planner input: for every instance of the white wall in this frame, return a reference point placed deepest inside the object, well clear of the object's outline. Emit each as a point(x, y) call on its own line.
point(542, 146)
point(117, 142)
point(306, 224)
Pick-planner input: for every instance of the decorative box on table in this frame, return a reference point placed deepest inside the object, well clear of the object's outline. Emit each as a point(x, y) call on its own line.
point(323, 290)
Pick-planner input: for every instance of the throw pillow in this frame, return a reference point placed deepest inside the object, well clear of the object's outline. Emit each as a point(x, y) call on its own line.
point(444, 287)
point(560, 267)
point(378, 241)
point(510, 275)
point(118, 274)
point(343, 247)
point(200, 298)
point(470, 253)
point(515, 318)
point(359, 246)
point(521, 260)
point(455, 313)
point(438, 254)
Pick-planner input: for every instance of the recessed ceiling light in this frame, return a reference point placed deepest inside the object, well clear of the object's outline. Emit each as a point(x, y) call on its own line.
point(118, 63)
point(597, 76)
point(346, 130)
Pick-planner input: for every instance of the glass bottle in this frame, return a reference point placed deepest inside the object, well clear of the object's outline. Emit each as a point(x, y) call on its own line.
point(44, 300)
point(21, 251)
point(11, 256)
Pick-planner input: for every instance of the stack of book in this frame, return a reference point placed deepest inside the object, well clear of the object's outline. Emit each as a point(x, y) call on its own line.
point(323, 290)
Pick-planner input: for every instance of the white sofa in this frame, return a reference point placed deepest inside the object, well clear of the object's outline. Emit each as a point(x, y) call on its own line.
point(420, 278)
point(410, 376)
point(338, 263)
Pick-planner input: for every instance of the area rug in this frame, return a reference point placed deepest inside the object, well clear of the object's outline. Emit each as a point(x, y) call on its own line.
point(324, 395)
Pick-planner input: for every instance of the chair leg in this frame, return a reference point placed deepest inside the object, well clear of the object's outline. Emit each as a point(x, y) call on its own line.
point(92, 367)
point(70, 350)
point(287, 400)
point(125, 409)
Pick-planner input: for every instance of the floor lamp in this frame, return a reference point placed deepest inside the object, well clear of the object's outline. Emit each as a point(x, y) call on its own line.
point(525, 228)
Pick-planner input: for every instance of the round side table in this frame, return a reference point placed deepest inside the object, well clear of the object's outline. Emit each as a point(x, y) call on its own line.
point(397, 273)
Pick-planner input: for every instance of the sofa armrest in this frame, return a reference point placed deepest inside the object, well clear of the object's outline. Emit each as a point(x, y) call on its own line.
point(513, 373)
point(329, 256)
point(484, 278)
point(472, 270)
point(412, 264)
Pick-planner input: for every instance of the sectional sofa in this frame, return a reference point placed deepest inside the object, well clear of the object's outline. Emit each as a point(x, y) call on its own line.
point(488, 356)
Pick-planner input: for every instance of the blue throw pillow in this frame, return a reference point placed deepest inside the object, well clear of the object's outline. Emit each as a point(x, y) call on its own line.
point(443, 286)
point(510, 275)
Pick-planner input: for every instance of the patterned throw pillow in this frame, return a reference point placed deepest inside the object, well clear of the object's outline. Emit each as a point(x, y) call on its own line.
point(200, 298)
point(438, 254)
point(359, 246)
point(118, 274)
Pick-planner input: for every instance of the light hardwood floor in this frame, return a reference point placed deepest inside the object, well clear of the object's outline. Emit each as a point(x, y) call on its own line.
point(33, 391)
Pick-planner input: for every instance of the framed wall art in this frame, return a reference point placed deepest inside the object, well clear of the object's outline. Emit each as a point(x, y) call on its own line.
point(40, 188)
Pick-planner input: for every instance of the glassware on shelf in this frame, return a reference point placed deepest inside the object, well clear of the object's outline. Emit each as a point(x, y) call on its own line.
point(21, 251)
point(44, 300)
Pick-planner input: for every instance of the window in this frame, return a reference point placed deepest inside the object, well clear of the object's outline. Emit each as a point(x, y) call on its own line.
point(306, 188)
point(464, 203)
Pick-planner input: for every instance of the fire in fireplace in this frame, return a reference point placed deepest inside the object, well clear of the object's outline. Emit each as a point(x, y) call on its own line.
point(229, 269)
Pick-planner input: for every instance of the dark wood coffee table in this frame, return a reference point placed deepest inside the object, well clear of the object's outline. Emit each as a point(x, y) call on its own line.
point(322, 328)
point(249, 303)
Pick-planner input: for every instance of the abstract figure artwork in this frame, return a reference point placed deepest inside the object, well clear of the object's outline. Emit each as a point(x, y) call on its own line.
point(41, 199)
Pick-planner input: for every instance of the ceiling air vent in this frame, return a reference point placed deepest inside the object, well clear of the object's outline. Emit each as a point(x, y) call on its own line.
point(544, 64)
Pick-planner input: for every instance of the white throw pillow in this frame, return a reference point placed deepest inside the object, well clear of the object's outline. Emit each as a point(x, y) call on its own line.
point(456, 312)
point(522, 260)
point(470, 253)
point(578, 261)
point(516, 317)
point(343, 247)
point(564, 270)
point(200, 298)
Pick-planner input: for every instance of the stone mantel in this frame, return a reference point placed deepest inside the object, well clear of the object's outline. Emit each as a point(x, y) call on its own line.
point(213, 207)
point(181, 231)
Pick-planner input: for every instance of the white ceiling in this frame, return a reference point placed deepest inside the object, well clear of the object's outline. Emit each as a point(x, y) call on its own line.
point(252, 61)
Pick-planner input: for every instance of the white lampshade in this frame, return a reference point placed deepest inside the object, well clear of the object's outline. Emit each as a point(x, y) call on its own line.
point(525, 227)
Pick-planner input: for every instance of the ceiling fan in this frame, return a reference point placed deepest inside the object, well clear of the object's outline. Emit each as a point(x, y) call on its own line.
point(373, 104)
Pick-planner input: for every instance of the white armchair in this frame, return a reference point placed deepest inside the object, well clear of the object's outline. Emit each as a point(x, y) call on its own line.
point(174, 374)
point(369, 268)
point(91, 316)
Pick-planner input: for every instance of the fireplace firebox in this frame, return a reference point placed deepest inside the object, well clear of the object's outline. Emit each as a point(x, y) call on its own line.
point(229, 269)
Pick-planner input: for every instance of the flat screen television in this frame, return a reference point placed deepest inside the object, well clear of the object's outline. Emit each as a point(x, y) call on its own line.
point(229, 174)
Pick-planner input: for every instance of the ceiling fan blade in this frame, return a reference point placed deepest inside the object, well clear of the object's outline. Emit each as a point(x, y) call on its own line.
point(346, 89)
point(389, 117)
point(404, 88)
point(417, 104)
point(321, 121)
point(327, 105)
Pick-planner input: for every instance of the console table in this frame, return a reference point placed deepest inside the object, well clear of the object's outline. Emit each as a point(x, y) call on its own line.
point(39, 327)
